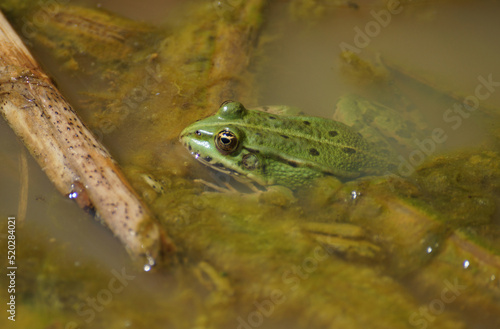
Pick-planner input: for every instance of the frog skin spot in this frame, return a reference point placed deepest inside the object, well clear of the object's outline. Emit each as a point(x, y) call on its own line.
point(313, 152)
point(348, 150)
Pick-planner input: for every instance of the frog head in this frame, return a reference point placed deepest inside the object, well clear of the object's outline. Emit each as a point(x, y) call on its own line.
point(218, 142)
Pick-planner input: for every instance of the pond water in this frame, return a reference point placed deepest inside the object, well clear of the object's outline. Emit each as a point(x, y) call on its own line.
point(78, 276)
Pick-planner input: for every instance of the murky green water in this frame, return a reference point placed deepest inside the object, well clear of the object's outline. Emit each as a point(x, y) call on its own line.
point(247, 261)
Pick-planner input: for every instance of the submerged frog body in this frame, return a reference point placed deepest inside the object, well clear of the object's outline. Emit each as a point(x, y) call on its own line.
point(283, 150)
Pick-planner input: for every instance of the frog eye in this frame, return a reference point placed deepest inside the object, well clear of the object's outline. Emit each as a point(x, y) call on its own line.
point(226, 141)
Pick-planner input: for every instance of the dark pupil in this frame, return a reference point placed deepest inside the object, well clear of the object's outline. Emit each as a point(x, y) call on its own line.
point(225, 140)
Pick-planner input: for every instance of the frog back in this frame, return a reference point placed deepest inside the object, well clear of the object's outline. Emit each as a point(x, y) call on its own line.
point(319, 144)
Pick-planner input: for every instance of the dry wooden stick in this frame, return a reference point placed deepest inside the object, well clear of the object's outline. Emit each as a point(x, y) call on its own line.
point(74, 160)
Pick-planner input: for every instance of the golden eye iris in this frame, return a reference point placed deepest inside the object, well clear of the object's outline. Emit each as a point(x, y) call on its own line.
point(226, 142)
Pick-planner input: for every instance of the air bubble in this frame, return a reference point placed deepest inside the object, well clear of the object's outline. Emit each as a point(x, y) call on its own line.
point(150, 263)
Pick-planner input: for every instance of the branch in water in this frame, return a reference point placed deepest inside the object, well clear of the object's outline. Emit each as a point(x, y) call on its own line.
point(73, 159)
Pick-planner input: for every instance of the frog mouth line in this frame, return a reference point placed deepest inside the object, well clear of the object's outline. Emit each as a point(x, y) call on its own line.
point(217, 166)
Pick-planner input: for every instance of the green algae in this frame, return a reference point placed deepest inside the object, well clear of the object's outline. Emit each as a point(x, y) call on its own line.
point(463, 186)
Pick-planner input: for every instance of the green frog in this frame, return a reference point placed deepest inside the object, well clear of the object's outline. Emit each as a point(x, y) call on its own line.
point(260, 146)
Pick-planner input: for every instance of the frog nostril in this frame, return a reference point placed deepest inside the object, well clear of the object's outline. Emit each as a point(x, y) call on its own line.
point(197, 132)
